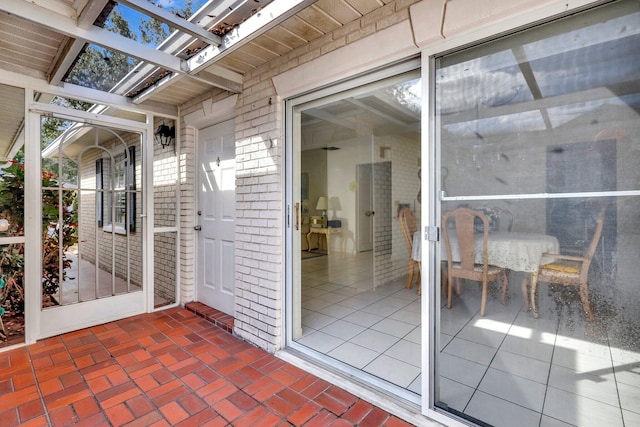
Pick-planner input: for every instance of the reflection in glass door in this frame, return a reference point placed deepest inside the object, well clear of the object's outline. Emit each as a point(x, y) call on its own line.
point(550, 163)
point(355, 166)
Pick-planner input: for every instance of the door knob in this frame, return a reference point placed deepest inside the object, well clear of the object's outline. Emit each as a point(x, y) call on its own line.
point(369, 213)
point(197, 227)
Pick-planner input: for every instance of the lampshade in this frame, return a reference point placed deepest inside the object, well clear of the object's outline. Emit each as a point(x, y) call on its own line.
point(322, 203)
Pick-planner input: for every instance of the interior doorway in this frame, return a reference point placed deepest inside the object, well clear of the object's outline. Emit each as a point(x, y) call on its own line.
point(365, 207)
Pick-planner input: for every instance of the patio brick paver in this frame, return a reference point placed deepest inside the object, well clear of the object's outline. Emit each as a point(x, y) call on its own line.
point(174, 367)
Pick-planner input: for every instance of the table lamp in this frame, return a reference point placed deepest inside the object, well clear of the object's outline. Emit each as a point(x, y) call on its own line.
point(322, 206)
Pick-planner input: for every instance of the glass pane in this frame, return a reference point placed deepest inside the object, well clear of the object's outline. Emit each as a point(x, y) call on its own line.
point(358, 167)
point(539, 153)
point(164, 261)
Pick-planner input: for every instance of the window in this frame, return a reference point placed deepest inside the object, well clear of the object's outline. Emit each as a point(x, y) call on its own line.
point(118, 193)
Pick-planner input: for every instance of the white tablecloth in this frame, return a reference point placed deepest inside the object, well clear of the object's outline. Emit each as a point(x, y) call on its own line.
point(515, 251)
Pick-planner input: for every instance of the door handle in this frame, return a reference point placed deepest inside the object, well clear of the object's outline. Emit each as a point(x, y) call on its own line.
point(297, 216)
point(197, 227)
point(369, 213)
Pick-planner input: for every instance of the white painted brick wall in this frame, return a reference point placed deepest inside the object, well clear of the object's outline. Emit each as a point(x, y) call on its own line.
point(259, 199)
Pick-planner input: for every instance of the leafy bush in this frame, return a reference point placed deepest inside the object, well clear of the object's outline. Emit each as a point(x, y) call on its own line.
point(12, 256)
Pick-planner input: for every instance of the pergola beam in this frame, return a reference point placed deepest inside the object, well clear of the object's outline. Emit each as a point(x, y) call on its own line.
point(90, 13)
point(172, 20)
point(264, 20)
point(81, 93)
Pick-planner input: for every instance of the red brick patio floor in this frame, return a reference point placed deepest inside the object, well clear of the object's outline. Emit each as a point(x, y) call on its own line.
point(167, 368)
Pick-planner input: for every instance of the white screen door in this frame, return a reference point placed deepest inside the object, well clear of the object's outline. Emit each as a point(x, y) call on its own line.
point(92, 245)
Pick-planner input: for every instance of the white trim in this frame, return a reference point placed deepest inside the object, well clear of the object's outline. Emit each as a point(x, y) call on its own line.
point(12, 240)
point(147, 215)
point(377, 50)
point(158, 230)
point(264, 20)
point(211, 113)
point(119, 229)
point(428, 202)
point(374, 390)
point(371, 395)
point(172, 20)
point(62, 319)
point(85, 94)
point(32, 223)
point(477, 26)
point(87, 117)
point(528, 196)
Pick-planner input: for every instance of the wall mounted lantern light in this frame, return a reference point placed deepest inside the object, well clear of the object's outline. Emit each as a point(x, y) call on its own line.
point(165, 135)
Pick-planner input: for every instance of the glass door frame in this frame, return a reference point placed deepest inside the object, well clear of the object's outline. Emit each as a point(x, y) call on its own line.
point(291, 179)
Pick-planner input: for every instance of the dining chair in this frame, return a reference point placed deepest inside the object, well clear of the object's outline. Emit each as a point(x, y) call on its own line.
point(409, 226)
point(461, 220)
point(571, 270)
point(505, 219)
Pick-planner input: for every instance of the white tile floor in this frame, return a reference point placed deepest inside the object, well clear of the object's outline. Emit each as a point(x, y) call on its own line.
point(506, 369)
point(370, 329)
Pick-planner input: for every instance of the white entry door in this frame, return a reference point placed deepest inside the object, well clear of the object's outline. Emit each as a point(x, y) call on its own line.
point(217, 216)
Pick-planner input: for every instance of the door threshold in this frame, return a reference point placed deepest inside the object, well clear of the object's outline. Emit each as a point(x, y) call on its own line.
point(213, 316)
point(394, 404)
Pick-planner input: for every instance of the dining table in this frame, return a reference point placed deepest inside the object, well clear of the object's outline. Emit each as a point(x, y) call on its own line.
point(515, 251)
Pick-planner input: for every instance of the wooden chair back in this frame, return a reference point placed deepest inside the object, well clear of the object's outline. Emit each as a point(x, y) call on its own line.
point(408, 225)
point(462, 221)
point(591, 249)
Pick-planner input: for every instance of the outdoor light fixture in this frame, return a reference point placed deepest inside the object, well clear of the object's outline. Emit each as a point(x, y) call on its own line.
point(165, 135)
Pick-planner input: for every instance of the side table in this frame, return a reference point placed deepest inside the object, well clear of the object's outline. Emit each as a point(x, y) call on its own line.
point(328, 232)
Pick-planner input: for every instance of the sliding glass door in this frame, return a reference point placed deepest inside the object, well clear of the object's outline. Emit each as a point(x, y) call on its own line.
point(355, 167)
point(538, 132)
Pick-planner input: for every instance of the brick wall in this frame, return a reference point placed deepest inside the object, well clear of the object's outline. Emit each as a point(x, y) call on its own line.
point(165, 205)
point(259, 198)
